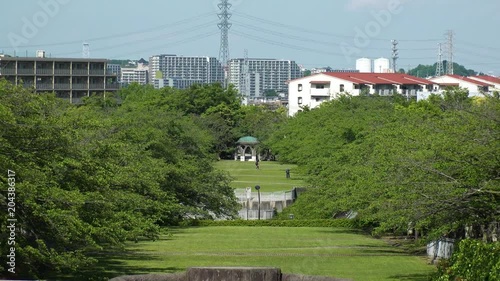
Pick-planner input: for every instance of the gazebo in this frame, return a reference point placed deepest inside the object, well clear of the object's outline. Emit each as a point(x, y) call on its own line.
point(246, 149)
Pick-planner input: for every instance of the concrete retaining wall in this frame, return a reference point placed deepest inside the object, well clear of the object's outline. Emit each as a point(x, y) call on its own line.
point(227, 274)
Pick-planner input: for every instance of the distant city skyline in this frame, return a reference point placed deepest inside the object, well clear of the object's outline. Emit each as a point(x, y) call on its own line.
point(317, 33)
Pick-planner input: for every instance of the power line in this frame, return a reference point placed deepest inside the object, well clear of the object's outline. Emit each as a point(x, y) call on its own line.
point(125, 34)
point(158, 37)
point(476, 46)
point(302, 39)
point(311, 31)
point(172, 44)
point(281, 44)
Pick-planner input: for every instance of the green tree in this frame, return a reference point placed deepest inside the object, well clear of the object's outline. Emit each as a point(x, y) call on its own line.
point(91, 177)
point(432, 165)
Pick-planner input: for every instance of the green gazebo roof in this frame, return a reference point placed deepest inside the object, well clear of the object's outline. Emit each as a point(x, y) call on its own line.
point(248, 140)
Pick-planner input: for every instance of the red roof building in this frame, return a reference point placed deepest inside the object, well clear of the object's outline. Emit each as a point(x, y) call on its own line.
point(475, 87)
point(495, 81)
point(313, 90)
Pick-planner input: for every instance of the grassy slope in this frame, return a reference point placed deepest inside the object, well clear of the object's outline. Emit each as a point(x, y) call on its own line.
point(270, 176)
point(312, 251)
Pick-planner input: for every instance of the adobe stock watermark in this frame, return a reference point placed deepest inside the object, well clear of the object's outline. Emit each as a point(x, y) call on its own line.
point(32, 25)
point(372, 29)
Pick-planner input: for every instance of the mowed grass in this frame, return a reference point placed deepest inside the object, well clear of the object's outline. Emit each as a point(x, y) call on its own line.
point(312, 251)
point(270, 177)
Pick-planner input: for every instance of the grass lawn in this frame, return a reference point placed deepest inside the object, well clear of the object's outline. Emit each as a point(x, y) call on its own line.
point(312, 251)
point(271, 175)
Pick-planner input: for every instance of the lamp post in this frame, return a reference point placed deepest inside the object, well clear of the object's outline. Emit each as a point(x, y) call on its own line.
point(258, 192)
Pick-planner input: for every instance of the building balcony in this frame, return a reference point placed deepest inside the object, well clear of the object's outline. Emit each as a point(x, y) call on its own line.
point(62, 72)
point(82, 86)
point(44, 86)
point(96, 72)
point(320, 92)
point(25, 71)
point(28, 85)
point(98, 86)
point(62, 86)
point(112, 86)
point(84, 72)
point(44, 71)
point(7, 71)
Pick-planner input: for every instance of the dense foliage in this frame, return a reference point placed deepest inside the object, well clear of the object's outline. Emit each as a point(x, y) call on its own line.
point(430, 70)
point(432, 165)
point(91, 177)
point(472, 260)
point(345, 223)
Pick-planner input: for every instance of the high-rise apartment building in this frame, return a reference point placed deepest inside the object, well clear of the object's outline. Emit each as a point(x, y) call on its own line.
point(139, 74)
point(115, 69)
point(185, 71)
point(253, 77)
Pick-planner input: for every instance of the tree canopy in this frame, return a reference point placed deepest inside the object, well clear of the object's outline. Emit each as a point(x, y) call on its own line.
point(91, 177)
point(430, 70)
point(432, 165)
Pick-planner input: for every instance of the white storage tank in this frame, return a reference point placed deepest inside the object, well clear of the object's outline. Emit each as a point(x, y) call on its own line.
point(364, 65)
point(381, 65)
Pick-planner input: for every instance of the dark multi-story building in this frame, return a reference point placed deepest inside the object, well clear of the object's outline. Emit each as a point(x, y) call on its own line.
point(70, 79)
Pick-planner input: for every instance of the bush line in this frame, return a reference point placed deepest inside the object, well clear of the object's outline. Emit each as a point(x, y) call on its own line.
point(344, 223)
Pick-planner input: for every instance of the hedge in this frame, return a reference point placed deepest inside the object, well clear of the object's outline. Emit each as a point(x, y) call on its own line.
point(472, 260)
point(345, 223)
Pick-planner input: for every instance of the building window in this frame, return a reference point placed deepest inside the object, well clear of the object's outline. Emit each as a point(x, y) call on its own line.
point(299, 100)
point(300, 88)
point(341, 88)
point(320, 86)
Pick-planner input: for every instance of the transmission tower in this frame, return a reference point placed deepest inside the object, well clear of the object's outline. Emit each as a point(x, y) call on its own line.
point(395, 56)
point(224, 25)
point(86, 51)
point(440, 66)
point(449, 49)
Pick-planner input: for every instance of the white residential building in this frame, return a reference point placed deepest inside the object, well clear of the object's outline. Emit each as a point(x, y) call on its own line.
point(475, 87)
point(186, 71)
point(262, 75)
point(140, 75)
point(312, 91)
point(495, 81)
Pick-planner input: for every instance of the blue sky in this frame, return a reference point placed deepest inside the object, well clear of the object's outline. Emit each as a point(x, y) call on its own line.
point(314, 33)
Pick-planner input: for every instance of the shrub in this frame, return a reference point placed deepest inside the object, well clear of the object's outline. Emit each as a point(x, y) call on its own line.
point(472, 260)
point(277, 223)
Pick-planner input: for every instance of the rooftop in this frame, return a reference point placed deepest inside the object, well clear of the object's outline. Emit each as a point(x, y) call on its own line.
point(51, 59)
point(467, 79)
point(376, 78)
point(248, 140)
point(491, 79)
